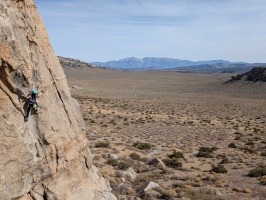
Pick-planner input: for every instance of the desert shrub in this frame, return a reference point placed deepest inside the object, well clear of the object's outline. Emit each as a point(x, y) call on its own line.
point(249, 150)
point(238, 137)
point(135, 156)
point(176, 155)
point(141, 145)
point(168, 194)
point(150, 194)
point(123, 165)
point(152, 176)
point(257, 172)
point(219, 169)
point(206, 152)
point(263, 153)
point(263, 180)
point(173, 163)
point(232, 145)
point(201, 194)
point(250, 143)
point(224, 160)
point(112, 162)
point(102, 145)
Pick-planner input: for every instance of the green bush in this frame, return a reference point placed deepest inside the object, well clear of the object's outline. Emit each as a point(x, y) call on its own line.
point(232, 145)
point(112, 162)
point(141, 145)
point(201, 194)
point(249, 150)
point(135, 156)
point(219, 169)
point(123, 165)
point(225, 160)
point(102, 145)
point(176, 155)
point(206, 152)
point(173, 163)
point(257, 172)
point(250, 143)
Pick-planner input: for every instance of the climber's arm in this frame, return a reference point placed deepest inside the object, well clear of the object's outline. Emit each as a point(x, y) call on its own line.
point(40, 88)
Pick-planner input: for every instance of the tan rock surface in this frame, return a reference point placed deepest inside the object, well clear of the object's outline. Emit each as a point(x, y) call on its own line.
point(48, 156)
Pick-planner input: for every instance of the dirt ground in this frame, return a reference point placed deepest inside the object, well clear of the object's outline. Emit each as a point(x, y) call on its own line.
point(210, 135)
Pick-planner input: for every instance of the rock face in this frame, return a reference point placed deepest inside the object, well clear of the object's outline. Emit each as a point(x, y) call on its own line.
point(48, 156)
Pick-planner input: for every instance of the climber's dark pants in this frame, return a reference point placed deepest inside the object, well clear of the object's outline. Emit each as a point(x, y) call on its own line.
point(29, 109)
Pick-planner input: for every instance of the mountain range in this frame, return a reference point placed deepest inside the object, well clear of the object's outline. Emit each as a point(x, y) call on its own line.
point(155, 63)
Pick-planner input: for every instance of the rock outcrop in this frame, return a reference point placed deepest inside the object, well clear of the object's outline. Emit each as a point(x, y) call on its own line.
point(256, 74)
point(70, 63)
point(48, 156)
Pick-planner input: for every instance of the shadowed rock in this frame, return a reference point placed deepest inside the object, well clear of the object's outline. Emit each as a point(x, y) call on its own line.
point(147, 186)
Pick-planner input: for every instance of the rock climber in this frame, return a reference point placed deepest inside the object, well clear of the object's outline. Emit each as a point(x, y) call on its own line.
point(32, 98)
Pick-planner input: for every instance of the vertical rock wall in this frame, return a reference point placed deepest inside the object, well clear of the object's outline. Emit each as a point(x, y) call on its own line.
point(48, 156)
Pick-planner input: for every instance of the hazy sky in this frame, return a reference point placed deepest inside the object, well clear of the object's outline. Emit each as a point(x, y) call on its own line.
point(104, 30)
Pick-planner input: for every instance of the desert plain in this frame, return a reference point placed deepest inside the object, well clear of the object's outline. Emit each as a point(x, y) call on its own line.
point(208, 138)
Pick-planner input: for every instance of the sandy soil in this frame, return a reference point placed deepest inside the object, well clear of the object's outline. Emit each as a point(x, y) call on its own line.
point(167, 112)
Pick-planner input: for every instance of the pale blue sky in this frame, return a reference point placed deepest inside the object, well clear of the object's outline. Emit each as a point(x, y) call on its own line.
point(104, 30)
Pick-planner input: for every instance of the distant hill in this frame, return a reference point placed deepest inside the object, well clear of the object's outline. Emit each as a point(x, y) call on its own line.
point(74, 63)
point(153, 63)
point(256, 74)
point(166, 64)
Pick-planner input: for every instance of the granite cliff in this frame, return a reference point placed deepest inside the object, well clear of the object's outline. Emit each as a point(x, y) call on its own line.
point(48, 156)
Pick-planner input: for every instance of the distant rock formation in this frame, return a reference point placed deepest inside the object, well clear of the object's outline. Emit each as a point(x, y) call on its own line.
point(256, 74)
point(74, 63)
point(48, 156)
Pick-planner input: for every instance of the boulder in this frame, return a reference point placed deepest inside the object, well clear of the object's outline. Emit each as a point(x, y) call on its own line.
point(130, 174)
point(147, 186)
point(113, 156)
point(75, 87)
point(48, 156)
point(156, 161)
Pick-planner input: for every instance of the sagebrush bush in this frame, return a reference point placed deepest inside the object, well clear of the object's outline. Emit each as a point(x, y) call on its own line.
point(135, 156)
point(219, 169)
point(232, 145)
point(122, 165)
point(142, 146)
point(249, 150)
point(201, 194)
point(173, 163)
point(257, 172)
point(102, 145)
point(112, 162)
point(176, 155)
point(206, 152)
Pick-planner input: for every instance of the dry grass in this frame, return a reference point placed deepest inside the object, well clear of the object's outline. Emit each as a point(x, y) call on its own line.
point(173, 116)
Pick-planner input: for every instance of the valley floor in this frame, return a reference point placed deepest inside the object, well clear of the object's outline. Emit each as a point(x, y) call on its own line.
point(210, 135)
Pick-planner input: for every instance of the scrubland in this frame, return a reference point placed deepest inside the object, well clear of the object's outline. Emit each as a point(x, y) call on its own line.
point(209, 137)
